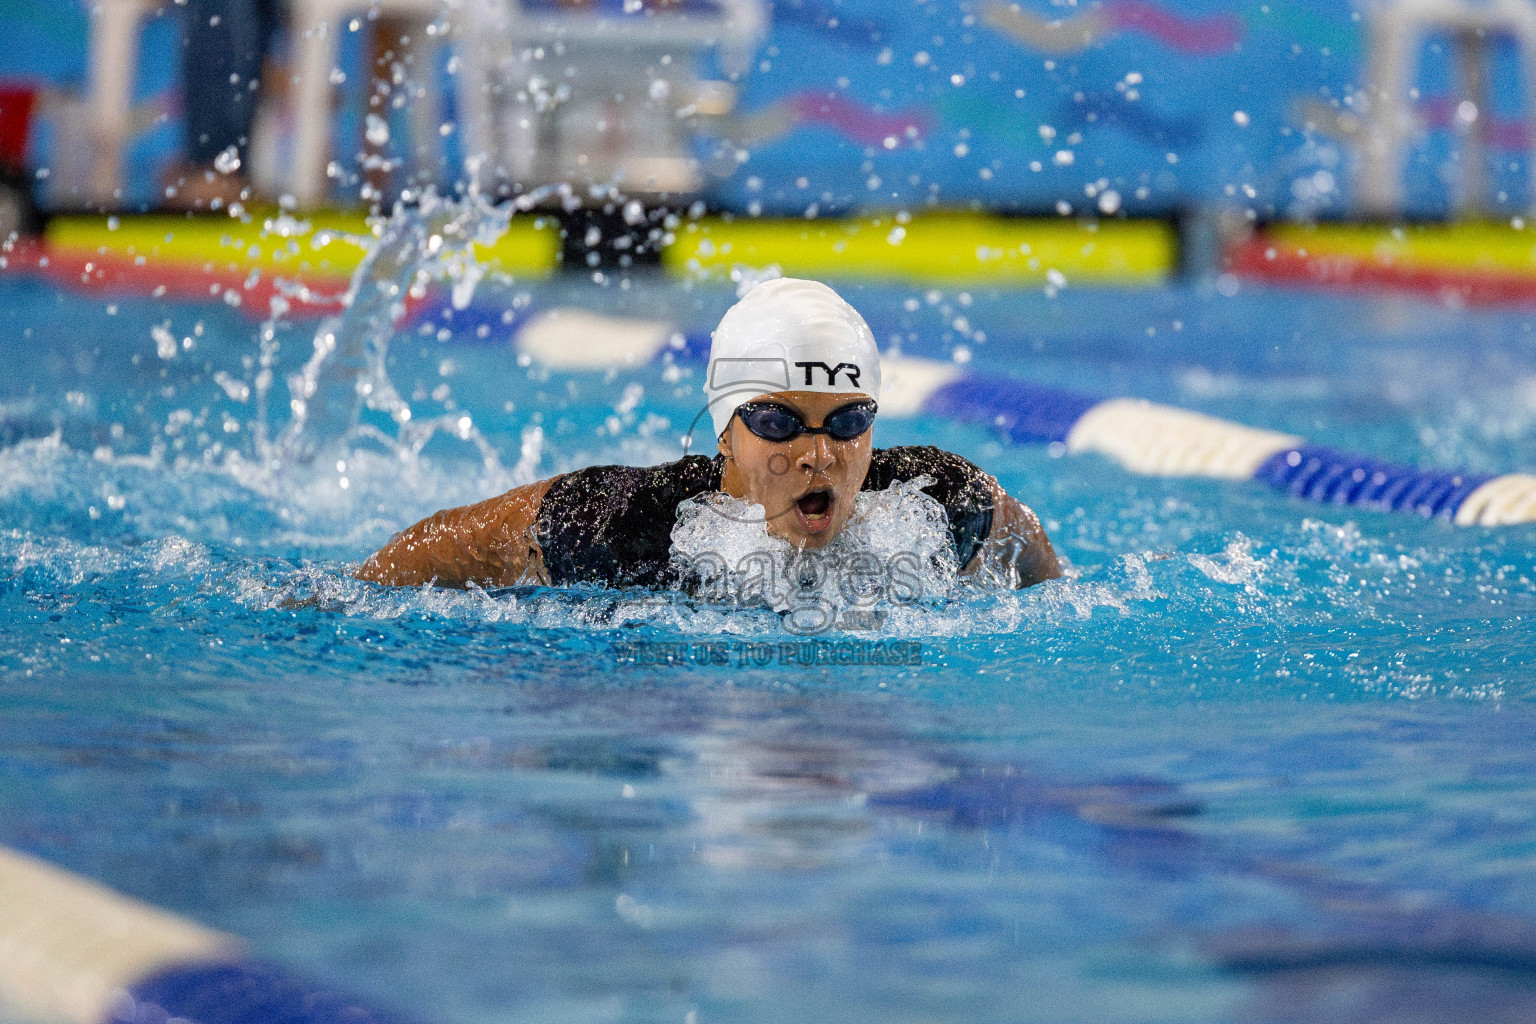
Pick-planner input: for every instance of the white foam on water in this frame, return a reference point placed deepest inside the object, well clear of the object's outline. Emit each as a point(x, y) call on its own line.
point(72, 562)
point(890, 574)
point(233, 499)
point(895, 551)
point(1235, 565)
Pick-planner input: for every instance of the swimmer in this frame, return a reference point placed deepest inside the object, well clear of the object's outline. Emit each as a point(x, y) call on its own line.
point(793, 387)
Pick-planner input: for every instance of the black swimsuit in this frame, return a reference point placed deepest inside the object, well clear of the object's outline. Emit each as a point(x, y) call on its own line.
point(612, 525)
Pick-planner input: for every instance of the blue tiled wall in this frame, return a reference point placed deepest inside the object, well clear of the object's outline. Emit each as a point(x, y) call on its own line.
point(855, 104)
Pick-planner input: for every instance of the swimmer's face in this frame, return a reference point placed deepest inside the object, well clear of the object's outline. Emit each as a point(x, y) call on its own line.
point(806, 484)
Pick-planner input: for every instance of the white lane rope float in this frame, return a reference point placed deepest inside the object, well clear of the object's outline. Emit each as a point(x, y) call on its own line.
point(75, 951)
point(1144, 437)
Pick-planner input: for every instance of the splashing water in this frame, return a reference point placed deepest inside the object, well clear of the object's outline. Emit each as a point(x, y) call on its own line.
point(348, 371)
point(894, 552)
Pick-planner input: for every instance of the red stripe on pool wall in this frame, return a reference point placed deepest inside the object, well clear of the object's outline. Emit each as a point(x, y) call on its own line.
point(858, 122)
point(1260, 259)
point(120, 275)
point(16, 103)
point(1215, 34)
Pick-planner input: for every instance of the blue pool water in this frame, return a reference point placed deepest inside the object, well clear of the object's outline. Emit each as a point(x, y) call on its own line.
point(1257, 760)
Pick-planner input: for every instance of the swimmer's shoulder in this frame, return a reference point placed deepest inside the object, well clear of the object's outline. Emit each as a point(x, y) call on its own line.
point(951, 473)
point(613, 524)
point(613, 489)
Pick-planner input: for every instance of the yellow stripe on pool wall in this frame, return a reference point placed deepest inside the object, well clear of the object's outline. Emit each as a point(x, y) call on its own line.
point(936, 247)
point(932, 248)
point(69, 947)
point(1477, 245)
point(530, 248)
point(327, 244)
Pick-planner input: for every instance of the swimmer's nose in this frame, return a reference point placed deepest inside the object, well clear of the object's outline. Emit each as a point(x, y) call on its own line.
point(819, 456)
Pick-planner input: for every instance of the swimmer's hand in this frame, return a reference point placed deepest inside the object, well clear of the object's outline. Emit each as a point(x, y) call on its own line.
point(490, 543)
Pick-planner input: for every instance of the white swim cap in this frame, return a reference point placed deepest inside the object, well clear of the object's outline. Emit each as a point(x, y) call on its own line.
point(788, 335)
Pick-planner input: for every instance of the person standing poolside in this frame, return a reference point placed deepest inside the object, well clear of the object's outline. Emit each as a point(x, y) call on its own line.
point(793, 388)
point(225, 45)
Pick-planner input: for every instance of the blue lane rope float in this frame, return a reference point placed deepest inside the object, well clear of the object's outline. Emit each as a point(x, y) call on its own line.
point(72, 950)
point(1144, 437)
point(1023, 413)
point(1322, 474)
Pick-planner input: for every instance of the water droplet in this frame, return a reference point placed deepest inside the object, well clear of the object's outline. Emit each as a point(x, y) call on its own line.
point(165, 342)
point(228, 161)
point(378, 130)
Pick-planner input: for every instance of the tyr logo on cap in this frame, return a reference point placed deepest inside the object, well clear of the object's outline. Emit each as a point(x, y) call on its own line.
point(832, 372)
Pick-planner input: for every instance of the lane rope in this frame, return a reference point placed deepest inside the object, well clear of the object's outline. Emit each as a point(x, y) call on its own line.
point(73, 950)
point(1142, 436)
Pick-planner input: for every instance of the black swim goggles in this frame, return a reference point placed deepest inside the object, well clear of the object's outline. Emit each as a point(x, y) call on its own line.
point(773, 422)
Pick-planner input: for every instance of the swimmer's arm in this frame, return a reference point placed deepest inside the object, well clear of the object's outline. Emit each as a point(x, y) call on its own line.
point(1017, 547)
point(490, 543)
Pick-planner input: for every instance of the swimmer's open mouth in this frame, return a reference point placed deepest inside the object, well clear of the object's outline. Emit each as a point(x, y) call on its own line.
point(814, 511)
point(816, 503)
